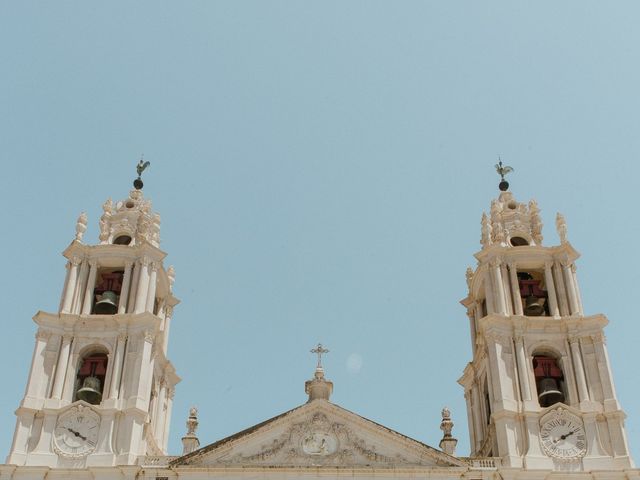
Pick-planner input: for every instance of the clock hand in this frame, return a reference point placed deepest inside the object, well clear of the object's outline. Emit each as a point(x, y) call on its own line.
point(77, 434)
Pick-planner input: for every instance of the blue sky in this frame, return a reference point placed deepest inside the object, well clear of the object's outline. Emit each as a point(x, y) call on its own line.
point(321, 169)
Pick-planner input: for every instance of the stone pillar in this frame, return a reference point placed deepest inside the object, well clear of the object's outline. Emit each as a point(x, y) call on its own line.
point(143, 286)
point(72, 279)
point(65, 286)
point(134, 287)
point(91, 284)
point(551, 290)
point(506, 289)
point(478, 407)
point(151, 293)
point(61, 367)
point(167, 417)
point(571, 291)
point(124, 291)
point(488, 291)
point(117, 366)
point(36, 374)
point(604, 369)
point(167, 324)
point(577, 289)
point(158, 424)
point(82, 280)
point(578, 367)
point(515, 289)
point(498, 283)
point(560, 290)
point(523, 368)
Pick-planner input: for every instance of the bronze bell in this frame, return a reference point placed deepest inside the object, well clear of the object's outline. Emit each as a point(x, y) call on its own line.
point(90, 391)
point(534, 306)
point(549, 394)
point(107, 305)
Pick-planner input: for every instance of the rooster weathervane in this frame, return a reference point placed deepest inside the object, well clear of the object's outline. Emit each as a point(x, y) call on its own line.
point(502, 171)
point(141, 167)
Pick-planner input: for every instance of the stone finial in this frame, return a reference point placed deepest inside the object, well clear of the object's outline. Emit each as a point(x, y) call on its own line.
point(190, 441)
point(171, 275)
point(81, 226)
point(469, 276)
point(448, 443)
point(318, 388)
point(561, 227)
point(485, 239)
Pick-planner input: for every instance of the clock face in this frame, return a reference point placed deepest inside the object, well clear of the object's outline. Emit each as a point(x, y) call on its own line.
point(563, 437)
point(76, 432)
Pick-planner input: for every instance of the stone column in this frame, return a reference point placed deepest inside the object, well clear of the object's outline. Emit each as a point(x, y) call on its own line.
point(578, 367)
point(488, 291)
point(604, 369)
point(498, 283)
point(523, 370)
point(124, 291)
point(477, 408)
point(571, 291)
point(65, 286)
point(36, 374)
point(61, 367)
point(151, 293)
point(560, 290)
point(506, 289)
point(167, 324)
point(515, 289)
point(72, 279)
point(577, 289)
point(134, 287)
point(117, 366)
point(82, 279)
point(91, 284)
point(158, 425)
point(143, 286)
point(167, 417)
point(551, 290)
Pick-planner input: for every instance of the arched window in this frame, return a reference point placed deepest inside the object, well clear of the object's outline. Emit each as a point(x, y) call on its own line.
point(549, 380)
point(90, 378)
point(533, 293)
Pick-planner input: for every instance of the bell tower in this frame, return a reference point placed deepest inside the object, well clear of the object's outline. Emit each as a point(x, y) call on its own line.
point(100, 389)
point(539, 389)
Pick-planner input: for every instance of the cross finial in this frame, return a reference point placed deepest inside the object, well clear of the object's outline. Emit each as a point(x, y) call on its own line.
point(319, 350)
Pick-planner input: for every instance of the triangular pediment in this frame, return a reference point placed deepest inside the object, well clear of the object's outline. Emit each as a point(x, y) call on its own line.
point(318, 433)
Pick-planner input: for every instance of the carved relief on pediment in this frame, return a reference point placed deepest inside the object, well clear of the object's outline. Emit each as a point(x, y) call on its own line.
point(316, 441)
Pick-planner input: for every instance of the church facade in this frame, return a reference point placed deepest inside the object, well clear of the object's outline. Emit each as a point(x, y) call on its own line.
point(540, 396)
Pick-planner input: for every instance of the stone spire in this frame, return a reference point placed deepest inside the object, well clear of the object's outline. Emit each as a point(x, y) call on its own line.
point(448, 443)
point(190, 441)
point(318, 388)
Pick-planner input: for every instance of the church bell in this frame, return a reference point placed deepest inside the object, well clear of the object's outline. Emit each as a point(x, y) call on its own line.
point(107, 305)
point(90, 391)
point(534, 306)
point(549, 394)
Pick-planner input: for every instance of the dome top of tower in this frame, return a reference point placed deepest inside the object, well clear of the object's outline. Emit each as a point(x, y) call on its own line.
point(129, 222)
point(511, 223)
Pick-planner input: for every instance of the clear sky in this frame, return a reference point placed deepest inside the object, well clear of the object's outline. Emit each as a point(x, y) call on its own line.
point(321, 169)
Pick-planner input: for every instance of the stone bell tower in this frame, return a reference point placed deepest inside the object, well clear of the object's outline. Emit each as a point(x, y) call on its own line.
point(100, 389)
point(539, 388)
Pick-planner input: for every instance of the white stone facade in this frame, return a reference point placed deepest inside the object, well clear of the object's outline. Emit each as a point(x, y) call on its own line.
point(539, 390)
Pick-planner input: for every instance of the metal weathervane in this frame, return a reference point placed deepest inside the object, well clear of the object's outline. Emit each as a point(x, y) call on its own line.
point(502, 171)
point(141, 167)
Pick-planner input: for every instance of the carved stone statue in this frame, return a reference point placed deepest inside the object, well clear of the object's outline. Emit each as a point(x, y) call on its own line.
point(469, 277)
point(81, 226)
point(561, 227)
point(485, 239)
